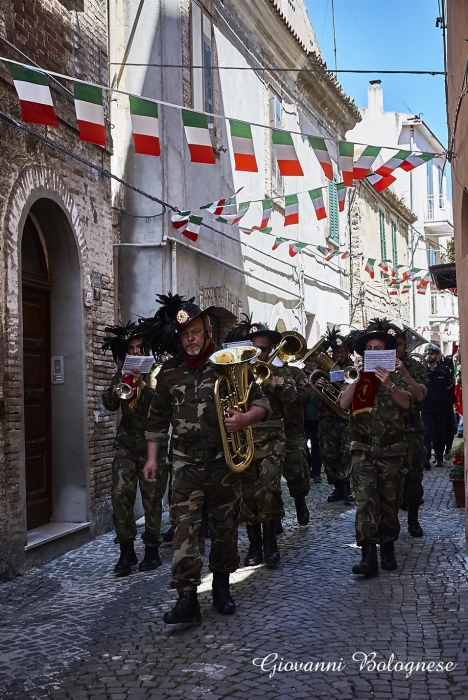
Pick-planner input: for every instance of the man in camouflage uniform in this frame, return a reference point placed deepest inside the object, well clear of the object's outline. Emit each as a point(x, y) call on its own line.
point(200, 475)
point(261, 481)
point(378, 402)
point(295, 464)
point(130, 456)
point(333, 430)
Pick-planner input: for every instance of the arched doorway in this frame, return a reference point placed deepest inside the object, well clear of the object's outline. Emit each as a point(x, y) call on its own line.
point(36, 376)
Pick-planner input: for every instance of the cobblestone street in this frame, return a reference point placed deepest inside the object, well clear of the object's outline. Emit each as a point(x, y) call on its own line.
point(71, 630)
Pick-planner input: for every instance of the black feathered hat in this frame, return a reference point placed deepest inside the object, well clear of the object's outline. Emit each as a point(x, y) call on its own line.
point(378, 329)
point(161, 331)
point(246, 330)
point(333, 339)
point(117, 341)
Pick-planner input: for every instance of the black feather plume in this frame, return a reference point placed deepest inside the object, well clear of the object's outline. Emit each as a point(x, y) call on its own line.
point(240, 331)
point(333, 338)
point(160, 331)
point(379, 324)
point(117, 341)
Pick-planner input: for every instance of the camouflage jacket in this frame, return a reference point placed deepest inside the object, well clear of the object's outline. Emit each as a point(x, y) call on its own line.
point(412, 419)
point(385, 421)
point(294, 416)
point(184, 397)
point(131, 431)
point(284, 393)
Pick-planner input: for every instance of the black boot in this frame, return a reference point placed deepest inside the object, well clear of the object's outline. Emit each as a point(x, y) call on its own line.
point(271, 553)
point(185, 610)
point(151, 559)
point(168, 535)
point(369, 566)
point(414, 528)
point(222, 600)
point(336, 494)
point(346, 496)
point(302, 510)
point(255, 553)
point(127, 560)
point(279, 528)
point(387, 556)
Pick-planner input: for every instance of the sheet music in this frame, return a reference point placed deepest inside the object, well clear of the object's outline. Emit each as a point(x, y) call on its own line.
point(140, 362)
point(379, 358)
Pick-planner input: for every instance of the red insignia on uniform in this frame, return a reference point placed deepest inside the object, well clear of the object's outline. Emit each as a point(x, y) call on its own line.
point(182, 317)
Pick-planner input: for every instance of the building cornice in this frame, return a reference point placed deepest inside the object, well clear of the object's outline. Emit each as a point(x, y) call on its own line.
point(390, 200)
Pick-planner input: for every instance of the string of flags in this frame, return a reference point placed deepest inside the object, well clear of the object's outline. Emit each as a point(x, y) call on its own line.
point(400, 282)
point(32, 86)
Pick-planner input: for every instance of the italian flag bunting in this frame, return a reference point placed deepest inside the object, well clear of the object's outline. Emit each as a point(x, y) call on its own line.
point(346, 162)
point(319, 205)
point(370, 267)
point(332, 254)
point(192, 229)
point(341, 192)
point(364, 162)
point(198, 137)
point(180, 219)
point(322, 249)
point(379, 182)
point(145, 126)
point(295, 248)
point(393, 291)
point(406, 288)
point(33, 91)
point(90, 113)
point(291, 209)
point(278, 242)
point(267, 206)
point(285, 154)
point(384, 265)
point(345, 255)
point(242, 146)
point(395, 161)
point(413, 161)
point(320, 149)
point(233, 219)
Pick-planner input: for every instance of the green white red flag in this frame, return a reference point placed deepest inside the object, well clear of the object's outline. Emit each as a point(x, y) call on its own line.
point(345, 255)
point(278, 242)
point(90, 113)
point(291, 209)
point(319, 147)
point(365, 161)
point(379, 182)
point(242, 146)
point(346, 162)
point(413, 161)
point(192, 229)
point(405, 289)
point(370, 266)
point(145, 126)
point(180, 219)
point(285, 154)
point(322, 249)
point(395, 162)
point(341, 192)
point(267, 206)
point(319, 205)
point(295, 248)
point(198, 137)
point(234, 218)
point(332, 254)
point(34, 95)
point(393, 291)
point(384, 265)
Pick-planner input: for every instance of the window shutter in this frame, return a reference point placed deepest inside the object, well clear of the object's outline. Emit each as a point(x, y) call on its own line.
point(394, 243)
point(333, 212)
point(383, 242)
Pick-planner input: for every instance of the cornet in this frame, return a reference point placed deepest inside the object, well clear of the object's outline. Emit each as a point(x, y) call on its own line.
point(292, 348)
point(124, 391)
point(351, 375)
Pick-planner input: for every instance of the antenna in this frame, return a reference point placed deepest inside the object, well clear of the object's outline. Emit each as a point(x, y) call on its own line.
point(334, 37)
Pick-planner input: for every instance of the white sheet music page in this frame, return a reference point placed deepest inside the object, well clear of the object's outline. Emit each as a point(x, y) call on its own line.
point(140, 362)
point(379, 358)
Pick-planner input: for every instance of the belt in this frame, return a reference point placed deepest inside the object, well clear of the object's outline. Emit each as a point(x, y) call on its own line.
point(378, 441)
point(270, 424)
point(198, 455)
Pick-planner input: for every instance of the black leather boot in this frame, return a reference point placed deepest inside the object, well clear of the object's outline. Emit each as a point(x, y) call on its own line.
point(271, 555)
point(185, 610)
point(302, 510)
point(151, 559)
point(336, 494)
point(127, 560)
point(222, 600)
point(279, 528)
point(414, 528)
point(346, 496)
point(387, 556)
point(369, 566)
point(168, 535)
point(255, 553)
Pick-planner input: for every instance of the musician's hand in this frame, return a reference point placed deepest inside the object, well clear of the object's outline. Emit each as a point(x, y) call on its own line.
point(272, 384)
point(150, 471)
point(358, 362)
point(320, 383)
point(138, 379)
point(383, 376)
point(235, 422)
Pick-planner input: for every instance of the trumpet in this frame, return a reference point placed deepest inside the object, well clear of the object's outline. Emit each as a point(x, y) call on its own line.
point(351, 375)
point(292, 348)
point(123, 390)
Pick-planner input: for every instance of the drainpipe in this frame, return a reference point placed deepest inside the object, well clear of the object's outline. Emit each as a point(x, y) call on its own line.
point(412, 243)
point(174, 266)
point(116, 285)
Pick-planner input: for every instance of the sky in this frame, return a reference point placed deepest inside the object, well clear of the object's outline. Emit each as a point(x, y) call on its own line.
point(387, 35)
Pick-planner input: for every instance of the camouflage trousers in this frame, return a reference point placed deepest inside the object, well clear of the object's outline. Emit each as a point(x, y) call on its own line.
point(261, 481)
point(296, 467)
point(415, 459)
point(127, 472)
point(194, 485)
point(334, 439)
point(377, 487)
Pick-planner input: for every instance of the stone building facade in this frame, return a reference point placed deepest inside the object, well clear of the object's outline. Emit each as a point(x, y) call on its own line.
point(56, 295)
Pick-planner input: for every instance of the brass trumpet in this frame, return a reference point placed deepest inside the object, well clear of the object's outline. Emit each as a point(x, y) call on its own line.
point(351, 375)
point(123, 390)
point(292, 348)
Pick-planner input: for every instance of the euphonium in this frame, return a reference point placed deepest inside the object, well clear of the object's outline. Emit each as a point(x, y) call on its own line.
point(331, 392)
point(292, 348)
point(231, 391)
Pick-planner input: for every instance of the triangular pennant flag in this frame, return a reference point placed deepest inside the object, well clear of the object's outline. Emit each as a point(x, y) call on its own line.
point(291, 209)
point(90, 113)
point(180, 219)
point(341, 192)
point(295, 248)
point(285, 154)
point(198, 137)
point(320, 149)
point(332, 254)
point(345, 255)
point(267, 206)
point(278, 242)
point(384, 265)
point(406, 288)
point(364, 162)
point(379, 182)
point(247, 231)
point(413, 161)
point(193, 228)
point(395, 161)
point(322, 249)
point(346, 162)
point(242, 146)
point(34, 95)
point(145, 126)
point(319, 205)
point(222, 205)
point(370, 267)
point(233, 219)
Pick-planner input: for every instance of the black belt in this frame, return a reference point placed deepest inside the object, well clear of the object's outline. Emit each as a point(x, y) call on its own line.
point(379, 440)
point(198, 454)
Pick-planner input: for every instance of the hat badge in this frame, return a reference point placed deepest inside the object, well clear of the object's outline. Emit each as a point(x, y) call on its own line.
point(253, 329)
point(182, 317)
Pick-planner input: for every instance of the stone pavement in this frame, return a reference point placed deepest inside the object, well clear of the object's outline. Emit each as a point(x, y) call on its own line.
point(71, 630)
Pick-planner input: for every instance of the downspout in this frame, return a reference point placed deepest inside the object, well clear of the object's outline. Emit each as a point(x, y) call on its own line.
point(174, 266)
point(412, 244)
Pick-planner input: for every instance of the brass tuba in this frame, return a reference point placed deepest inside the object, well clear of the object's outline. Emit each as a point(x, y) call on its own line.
point(231, 391)
point(331, 392)
point(291, 348)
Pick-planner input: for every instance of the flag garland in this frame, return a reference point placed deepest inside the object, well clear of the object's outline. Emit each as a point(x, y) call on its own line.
point(370, 267)
point(267, 207)
point(285, 154)
point(395, 162)
point(34, 95)
point(319, 147)
point(341, 192)
point(242, 146)
point(291, 209)
point(319, 205)
point(90, 113)
point(145, 126)
point(279, 241)
point(364, 163)
point(346, 162)
point(198, 137)
point(296, 247)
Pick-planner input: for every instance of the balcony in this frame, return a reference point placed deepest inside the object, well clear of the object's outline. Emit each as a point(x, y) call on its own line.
point(438, 218)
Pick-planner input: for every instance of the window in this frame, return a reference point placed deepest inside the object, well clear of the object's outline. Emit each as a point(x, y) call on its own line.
point(434, 303)
point(393, 228)
point(430, 190)
point(440, 174)
point(431, 255)
point(383, 242)
point(333, 212)
point(275, 123)
point(202, 55)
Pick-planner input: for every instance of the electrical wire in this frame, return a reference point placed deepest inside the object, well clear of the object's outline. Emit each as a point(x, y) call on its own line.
point(275, 70)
